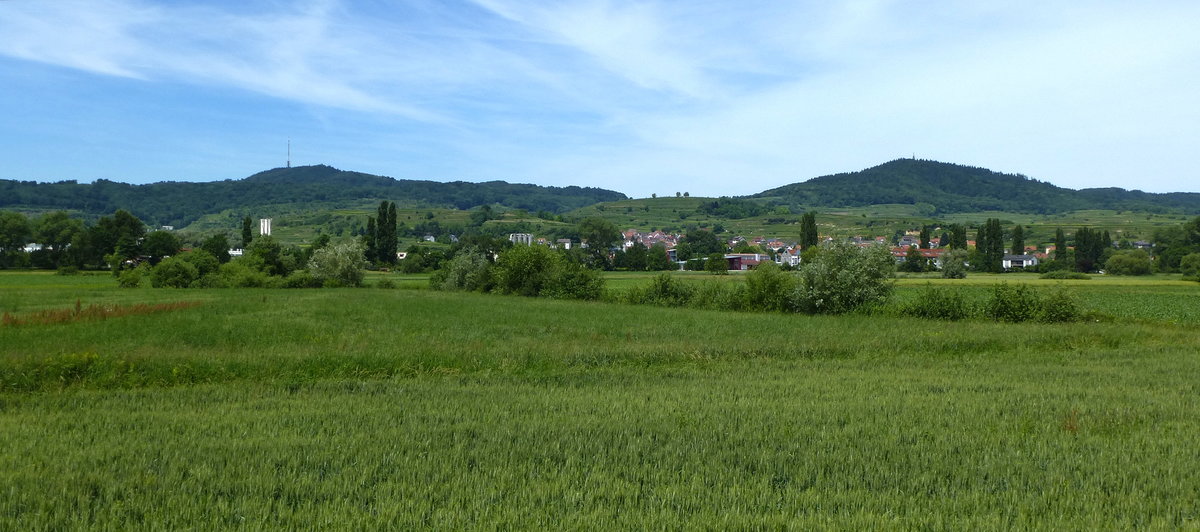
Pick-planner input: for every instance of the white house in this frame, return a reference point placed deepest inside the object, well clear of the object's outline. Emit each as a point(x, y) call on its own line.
point(789, 257)
point(1018, 261)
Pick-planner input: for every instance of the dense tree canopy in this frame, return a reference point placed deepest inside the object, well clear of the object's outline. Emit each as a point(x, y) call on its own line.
point(180, 203)
point(600, 234)
point(1089, 249)
point(160, 244)
point(733, 208)
point(1174, 243)
point(703, 242)
point(15, 231)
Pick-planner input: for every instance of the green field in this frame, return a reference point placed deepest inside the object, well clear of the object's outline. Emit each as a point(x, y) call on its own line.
point(403, 408)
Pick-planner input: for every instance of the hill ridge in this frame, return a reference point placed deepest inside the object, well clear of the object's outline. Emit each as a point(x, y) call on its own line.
point(952, 188)
point(179, 203)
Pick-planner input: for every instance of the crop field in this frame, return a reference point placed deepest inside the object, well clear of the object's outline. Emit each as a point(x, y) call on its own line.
point(406, 408)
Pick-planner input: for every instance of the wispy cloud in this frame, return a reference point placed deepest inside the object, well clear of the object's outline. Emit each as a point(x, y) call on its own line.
point(730, 97)
point(638, 42)
point(298, 54)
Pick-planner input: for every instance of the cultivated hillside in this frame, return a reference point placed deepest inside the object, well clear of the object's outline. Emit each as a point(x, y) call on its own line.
point(179, 203)
point(953, 188)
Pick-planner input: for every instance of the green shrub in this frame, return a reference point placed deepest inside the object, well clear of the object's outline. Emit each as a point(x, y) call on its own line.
point(469, 270)
point(1015, 304)
point(843, 277)
point(940, 304)
point(716, 264)
point(1058, 306)
point(717, 295)
point(301, 279)
point(238, 274)
point(769, 289)
point(575, 281)
point(526, 270)
point(204, 261)
point(1011, 303)
point(954, 264)
point(266, 255)
point(131, 278)
point(1129, 262)
point(1189, 265)
point(1065, 274)
point(663, 290)
point(385, 283)
point(174, 272)
point(340, 264)
point(67, 270)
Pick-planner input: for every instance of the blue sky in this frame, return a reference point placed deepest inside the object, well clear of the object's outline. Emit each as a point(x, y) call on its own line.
point(714, 98)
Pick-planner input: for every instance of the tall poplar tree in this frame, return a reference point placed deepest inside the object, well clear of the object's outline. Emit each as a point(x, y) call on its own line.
point(989, 246)
point(1089, 248)
point(808, 230)
point(995, 245)
point(247, 235)
point(1060, 245)
point(981, 236)
point(392, 236)
point(385, 233)
point(370, 245)
point(958, 236)
point(1018, 240)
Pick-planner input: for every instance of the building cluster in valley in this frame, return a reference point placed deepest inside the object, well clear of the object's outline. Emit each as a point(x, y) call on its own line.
point(786, 253)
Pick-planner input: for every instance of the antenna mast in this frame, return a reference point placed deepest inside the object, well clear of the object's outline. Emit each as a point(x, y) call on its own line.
point(289, 162)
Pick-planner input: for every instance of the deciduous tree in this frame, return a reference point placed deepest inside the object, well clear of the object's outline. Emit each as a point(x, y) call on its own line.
point(1129, 262)
point(160, 244)
point(217, 246)
point(339, 264)
point(843, 277)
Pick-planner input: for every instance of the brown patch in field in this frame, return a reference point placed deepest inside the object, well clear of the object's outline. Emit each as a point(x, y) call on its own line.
point(1070, 422)
point(90, 312)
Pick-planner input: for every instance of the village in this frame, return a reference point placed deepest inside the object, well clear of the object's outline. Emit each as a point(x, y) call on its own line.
point(746, 253)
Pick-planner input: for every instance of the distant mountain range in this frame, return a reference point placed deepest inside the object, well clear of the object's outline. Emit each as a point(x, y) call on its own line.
point(180, 203)
point(946, 188)
point(952, 188)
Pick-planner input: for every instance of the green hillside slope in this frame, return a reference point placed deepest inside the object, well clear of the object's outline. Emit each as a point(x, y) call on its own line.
point(179, 203)
point(952, 188)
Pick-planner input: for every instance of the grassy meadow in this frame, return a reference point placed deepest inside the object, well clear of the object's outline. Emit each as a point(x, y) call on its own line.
point(407, 408)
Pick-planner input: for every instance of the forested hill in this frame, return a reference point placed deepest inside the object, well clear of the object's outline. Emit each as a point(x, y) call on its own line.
point(952, 188)
point(179, 203)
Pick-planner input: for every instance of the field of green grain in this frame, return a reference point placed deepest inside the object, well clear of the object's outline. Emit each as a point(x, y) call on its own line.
point(400, 408)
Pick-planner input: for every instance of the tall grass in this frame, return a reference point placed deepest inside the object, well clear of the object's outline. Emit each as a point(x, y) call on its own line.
point(365, 408)
point(356, 333)
point(962, 444)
